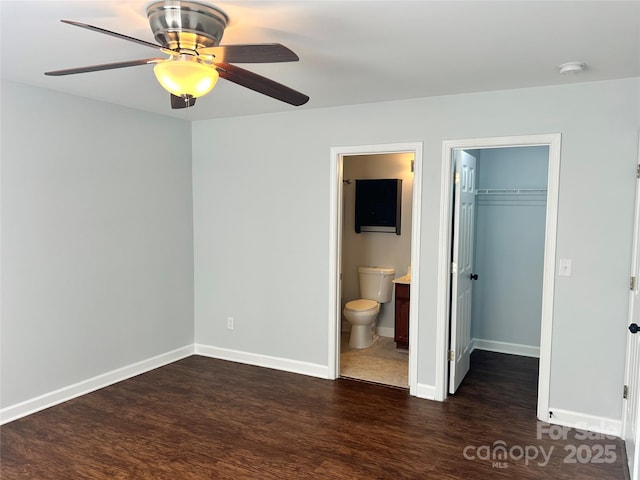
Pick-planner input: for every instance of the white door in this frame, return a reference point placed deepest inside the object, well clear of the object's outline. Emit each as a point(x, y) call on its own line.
point(462, 267)
point(632, 375)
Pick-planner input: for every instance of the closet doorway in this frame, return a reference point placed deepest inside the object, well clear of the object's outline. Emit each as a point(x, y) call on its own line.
point(498, 252)
point(503, 202)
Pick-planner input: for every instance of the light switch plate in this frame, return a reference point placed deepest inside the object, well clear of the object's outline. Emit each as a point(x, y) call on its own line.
point(565, 267)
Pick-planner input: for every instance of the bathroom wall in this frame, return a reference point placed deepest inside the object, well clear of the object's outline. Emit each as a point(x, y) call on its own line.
point(375, 248)
point(509, 249)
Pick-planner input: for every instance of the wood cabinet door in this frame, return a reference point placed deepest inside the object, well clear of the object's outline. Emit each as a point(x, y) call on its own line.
point(401, 336)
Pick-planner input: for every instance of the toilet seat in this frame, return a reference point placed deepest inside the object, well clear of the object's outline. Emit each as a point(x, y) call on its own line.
point(361, 305)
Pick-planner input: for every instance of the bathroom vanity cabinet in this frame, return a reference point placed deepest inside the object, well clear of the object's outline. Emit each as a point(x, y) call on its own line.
point(402, 315)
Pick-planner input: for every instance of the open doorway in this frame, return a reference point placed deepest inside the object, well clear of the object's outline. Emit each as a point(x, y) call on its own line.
point(338, 185)
point(368, 181)
point(499, 213)
point(447, 326)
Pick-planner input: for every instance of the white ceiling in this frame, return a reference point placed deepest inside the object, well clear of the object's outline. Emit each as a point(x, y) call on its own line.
point(351, 51)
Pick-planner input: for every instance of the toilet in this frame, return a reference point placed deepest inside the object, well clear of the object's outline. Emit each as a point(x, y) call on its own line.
point(375, 288)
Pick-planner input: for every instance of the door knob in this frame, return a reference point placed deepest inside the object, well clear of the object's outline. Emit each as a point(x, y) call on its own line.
point(634, 328)
point(473, 276)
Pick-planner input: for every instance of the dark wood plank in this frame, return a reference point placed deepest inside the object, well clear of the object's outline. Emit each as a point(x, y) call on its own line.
point(201, 418)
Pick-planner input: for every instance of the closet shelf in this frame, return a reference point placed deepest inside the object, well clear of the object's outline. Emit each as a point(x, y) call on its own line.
point(511, 191)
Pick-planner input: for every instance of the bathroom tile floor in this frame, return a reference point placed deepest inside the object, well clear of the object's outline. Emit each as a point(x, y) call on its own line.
point(382, 362)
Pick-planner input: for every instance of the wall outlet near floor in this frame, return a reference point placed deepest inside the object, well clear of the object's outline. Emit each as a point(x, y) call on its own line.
point(230, 323)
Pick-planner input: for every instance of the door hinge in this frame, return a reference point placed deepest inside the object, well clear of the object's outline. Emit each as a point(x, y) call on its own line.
point(625, 391)
point(452, 356)
point(454, 268)
point(632, 283)
point(638, 171)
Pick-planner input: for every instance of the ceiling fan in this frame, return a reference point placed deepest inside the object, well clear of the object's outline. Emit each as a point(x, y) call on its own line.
point(190, 33)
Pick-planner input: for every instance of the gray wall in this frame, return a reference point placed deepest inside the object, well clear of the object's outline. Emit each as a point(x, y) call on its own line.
point(509, 246)
point(97, 240)
point(96, 229)
point(261, 222)
point(375, 248)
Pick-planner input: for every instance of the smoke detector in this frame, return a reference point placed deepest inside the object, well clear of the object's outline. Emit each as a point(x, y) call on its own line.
point(571, 68)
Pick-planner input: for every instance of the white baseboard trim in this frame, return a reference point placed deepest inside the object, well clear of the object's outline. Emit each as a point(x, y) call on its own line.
point(427, 392)
point(277, 363)
point(33, 405)
point(606, 426)
point(504, 347)
point(388, 332)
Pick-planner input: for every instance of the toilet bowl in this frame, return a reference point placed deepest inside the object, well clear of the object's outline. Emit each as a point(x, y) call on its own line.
point(361, 314)
point(375, 288)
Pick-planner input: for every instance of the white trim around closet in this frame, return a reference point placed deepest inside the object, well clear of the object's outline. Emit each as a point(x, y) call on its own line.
point(553, 141)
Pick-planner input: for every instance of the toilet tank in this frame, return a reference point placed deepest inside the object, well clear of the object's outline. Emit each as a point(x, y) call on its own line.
point(376, 283)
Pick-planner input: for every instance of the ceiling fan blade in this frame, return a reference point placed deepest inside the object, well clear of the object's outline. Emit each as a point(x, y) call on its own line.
point(113, 34)
point(181, 102)
point(104, 66)
point(261, 84)
point(255, 53)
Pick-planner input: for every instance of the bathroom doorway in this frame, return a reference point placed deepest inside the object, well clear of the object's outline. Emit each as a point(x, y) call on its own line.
point(351, 250)
point(380, 246)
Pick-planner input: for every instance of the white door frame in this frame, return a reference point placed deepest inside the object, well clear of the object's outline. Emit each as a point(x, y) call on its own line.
point(444, 261)
point(335, 249)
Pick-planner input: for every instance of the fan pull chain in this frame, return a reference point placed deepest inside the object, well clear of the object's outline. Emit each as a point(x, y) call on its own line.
point(187, 109)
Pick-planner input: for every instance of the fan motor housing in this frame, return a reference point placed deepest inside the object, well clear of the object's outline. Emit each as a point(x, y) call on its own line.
point(179, 25)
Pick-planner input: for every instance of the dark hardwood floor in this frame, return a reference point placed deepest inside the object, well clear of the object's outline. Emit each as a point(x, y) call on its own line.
point(201, 418)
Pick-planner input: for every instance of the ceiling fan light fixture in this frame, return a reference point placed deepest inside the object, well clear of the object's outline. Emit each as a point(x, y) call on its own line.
point(190, 33)
point(184, 75)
